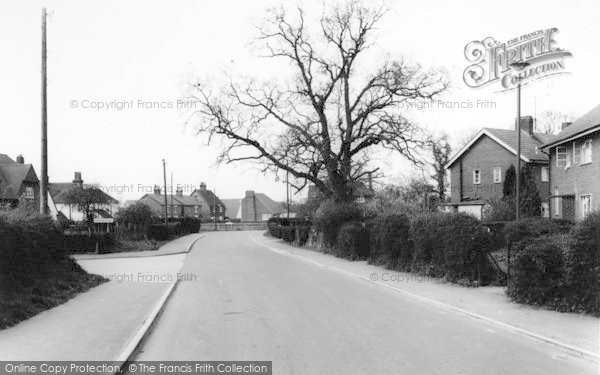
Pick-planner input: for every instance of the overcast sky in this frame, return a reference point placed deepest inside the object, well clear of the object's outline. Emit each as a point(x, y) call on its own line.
point(103, 51)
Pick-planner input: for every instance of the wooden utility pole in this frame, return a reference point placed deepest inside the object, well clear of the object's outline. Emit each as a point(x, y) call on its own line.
point(165, 187)
point(215, 207)
point(287, 192)
point(44, 167)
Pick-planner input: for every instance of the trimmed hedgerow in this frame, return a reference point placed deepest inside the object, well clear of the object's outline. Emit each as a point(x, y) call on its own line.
point(390, 243)
point(451, 245)
point(537, 271)
point(330, 217)
point(352, 241)
point(582, 266)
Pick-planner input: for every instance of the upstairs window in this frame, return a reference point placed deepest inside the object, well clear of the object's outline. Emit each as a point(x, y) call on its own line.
point(476, 176)
point(497, 175)
point(586, 152)
point(29, 194)
point(561, 156)
point(545, 174)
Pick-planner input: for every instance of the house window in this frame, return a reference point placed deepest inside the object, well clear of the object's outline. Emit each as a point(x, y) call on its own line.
point(576, 153)
point(196, 210)
point(497, 175)
point(586, 205)
point(561, 156)
point(586, 152)
point(545, 174)
point(568, 162)
point(556, 200)
point(545, 209)
point(476, 176)
point(29, 194)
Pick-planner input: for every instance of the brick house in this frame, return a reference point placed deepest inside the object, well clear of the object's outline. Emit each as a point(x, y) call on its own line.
point(18, 182)
point(211, 203)
point(575, 168)
point(178, 205)
point(478, 170)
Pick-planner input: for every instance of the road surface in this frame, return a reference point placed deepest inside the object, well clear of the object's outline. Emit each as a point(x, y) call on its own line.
point(242, 301)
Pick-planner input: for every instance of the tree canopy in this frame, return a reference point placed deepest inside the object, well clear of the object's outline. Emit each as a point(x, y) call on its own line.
point(322, 124)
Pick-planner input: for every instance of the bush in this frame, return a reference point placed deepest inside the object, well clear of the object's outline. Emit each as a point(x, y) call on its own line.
point(389, 240)
point(352, 241)
point(582, 268)
point(302, 232)
point(160, 232)
point(498, 209)
point(454, 245)
point(537, 271)
point(531, 228)
point(330, 217)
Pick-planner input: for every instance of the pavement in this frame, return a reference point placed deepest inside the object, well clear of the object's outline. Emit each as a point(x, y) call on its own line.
point(177, 246)
point(106, 322)
point(254, 298)
point(577, 331)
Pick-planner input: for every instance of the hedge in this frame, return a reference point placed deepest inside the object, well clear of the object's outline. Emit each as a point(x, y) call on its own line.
point(537, 272)
point(390, 243)
point(583, 266)
point(451, 245)
point(330, 217)
point(352, 241)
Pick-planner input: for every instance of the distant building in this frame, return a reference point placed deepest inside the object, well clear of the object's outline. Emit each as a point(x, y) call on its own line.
point(478, 170)
point(178, 205)
point(258, 207)
point(101, 210)
point(232, 208)
point(19, 184)
point(575, 168)
point(211, 204)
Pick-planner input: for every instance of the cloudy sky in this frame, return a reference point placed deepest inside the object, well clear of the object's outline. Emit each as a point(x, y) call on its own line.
point(149, 51)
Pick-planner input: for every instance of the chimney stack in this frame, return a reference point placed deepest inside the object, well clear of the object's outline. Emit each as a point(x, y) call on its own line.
point(157, 190)
point(20, 159)
point(77, 180)
point(565, 125)
point(179, 192)
point(526, 124)
point(202, 186)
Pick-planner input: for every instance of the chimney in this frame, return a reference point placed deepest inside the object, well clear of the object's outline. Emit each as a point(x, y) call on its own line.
point(179, 192)
point(565, 125)
point(77, 180)
point(20, 159)
point(527, 124)
point(156, 189)
point(202, 186)
point(249, 193)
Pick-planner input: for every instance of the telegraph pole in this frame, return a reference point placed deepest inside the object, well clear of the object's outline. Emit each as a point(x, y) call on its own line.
point(215, 206)
point(165, 186)
point(44, 167)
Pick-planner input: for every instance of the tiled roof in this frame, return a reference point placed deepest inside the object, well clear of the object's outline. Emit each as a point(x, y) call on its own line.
point(530, 145)
point(208, 196)
point(232, 206)
point(59, 191)
point(185, 200)
point(268, 203)
point(12, 177)
point(5, 159)
point(586, 122)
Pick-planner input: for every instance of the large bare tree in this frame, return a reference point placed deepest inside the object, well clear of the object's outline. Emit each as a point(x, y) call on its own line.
point(323, 123)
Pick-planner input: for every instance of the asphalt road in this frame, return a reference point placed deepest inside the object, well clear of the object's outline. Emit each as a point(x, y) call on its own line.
point(244, 302)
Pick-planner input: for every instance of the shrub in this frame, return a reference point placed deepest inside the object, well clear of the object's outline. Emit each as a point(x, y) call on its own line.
point(352, 241)
point(498, 209)
point(537, 272)
point(331, 215)
point(582, 268)
point(159, 232)
point(390, 244)
point(288, 233)
point(531, 228)
point(302, 232)
point(453, 245)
